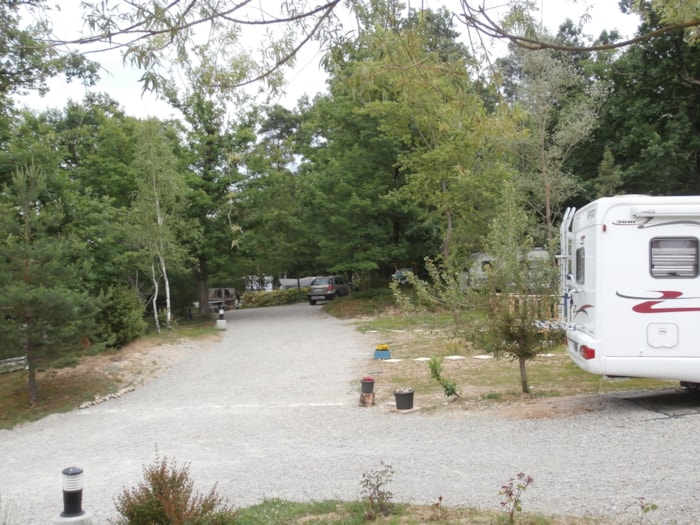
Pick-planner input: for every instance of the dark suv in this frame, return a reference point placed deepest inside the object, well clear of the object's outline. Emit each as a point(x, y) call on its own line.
point(327, 288)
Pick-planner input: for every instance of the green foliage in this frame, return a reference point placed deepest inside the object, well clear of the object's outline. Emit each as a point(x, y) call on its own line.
point(649, 125)
point(449, 387)
point(208, 159)
point(449, 146)
point(275, 511)
point(375, 488)
point(29, 59)
point(166, 497)
point(609, 176)
point(66, 361)
point(272, 298)
point(561, 109)
point(372, 302)
point(157, 222)
point(445, 290)
point(42, 296)
point(121, 320)
point(271, 203)
point(670, 12)
point(516, 297)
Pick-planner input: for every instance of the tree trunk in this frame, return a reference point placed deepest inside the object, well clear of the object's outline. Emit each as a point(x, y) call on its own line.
point(166, 285)
point(154, 301)
point(31, 378)
point(523, 376)
point(203, 287)
point(447, 240)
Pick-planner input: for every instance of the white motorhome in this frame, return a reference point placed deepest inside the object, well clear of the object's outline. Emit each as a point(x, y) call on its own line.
point(631, 287)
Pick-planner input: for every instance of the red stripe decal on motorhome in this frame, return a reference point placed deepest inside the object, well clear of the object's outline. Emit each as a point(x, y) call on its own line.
point(583, 309)
point(649, 306)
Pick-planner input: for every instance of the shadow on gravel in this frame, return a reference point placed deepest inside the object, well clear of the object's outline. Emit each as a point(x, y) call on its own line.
point(672, 403)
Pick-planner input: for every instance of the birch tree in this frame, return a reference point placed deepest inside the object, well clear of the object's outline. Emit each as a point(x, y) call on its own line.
point(157, 220)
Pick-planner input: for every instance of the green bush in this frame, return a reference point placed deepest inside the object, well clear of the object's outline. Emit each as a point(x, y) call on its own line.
point(121, 319)
point(365, 303)
point(165, 497)
point(273, 298)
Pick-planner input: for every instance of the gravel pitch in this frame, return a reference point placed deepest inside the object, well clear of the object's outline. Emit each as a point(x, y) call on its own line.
point(272, 411)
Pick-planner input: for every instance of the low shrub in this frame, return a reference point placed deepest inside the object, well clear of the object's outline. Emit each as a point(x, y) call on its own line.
point(122, 318)
point(166, 497)
point(375, 483)
point(273, 298)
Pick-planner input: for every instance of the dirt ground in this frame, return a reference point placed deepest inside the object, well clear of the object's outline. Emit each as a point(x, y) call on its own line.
point(133, 365)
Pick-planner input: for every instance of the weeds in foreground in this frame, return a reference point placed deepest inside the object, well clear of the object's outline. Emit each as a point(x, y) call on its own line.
point(645, 508)
point(6, 511)
point(436, 510)
point(374, 487)
point(513, 491)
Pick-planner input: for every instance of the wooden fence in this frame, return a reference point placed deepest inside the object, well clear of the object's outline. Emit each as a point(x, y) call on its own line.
point(541, 307)
point(13, 364)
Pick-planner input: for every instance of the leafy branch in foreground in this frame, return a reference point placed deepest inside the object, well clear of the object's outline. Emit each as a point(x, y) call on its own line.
point(645, 508)
point(448, 386)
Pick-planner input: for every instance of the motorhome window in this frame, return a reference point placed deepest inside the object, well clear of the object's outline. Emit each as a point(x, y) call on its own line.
point(580, 266)
point(673, 257)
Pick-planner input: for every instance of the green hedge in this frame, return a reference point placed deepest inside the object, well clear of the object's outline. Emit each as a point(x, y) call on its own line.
point(273, 298)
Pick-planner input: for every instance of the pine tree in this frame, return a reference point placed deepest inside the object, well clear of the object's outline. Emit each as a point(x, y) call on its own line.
point(44, 309)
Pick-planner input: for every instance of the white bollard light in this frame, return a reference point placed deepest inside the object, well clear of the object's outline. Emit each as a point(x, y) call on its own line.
point(221, 322)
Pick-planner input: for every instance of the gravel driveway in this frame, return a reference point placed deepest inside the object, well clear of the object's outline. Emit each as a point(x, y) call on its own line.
point(272, 411)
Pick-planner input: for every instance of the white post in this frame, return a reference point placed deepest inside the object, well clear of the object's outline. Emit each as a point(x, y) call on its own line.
point(221, 322)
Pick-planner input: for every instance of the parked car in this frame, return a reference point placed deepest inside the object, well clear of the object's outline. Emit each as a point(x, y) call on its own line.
point(401, 275)
point(327, 288)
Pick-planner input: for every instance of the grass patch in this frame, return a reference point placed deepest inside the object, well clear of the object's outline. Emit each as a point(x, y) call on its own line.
point(199, 327)
point(63, 385)
point(57, 393)
point(281, 512)
point(479, 379)
point(361, 304)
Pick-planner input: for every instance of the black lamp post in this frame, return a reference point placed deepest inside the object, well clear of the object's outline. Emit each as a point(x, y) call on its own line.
point(72, 492)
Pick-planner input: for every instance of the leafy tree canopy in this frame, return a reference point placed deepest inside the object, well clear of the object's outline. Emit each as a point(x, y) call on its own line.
point(28, 56)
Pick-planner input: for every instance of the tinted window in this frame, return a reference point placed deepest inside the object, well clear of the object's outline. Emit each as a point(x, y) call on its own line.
point(580, 266)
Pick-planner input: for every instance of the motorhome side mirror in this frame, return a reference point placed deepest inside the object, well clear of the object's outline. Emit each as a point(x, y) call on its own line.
point(569, 277)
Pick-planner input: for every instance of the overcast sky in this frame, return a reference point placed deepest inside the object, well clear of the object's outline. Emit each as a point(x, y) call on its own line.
point(122, 83)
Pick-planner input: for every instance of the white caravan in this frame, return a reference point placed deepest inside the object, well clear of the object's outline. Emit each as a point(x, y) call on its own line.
point(631, 287)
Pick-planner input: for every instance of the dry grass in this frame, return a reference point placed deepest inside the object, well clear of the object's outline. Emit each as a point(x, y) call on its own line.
point(482, 381)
